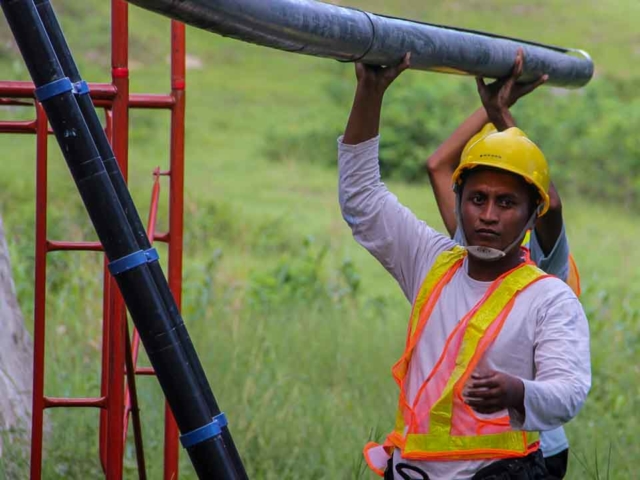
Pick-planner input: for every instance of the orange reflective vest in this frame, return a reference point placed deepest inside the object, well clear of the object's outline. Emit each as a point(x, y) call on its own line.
point(438, 425)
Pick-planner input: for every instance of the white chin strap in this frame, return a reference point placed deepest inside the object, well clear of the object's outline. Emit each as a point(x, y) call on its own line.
point(488, 254)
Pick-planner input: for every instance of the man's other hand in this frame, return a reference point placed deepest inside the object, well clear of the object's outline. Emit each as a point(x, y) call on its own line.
point(490, 391)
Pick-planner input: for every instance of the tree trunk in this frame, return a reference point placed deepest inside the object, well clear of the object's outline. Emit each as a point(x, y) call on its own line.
point(16, 358)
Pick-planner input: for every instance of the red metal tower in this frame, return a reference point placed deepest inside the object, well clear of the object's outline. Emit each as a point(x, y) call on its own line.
point(117, 400)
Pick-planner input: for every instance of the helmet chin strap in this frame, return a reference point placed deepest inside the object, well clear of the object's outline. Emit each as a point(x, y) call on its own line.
point(489, 254)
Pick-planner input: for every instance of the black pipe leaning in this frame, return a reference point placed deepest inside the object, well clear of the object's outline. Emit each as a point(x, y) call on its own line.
point(70, 69)
point(182, 387)
point(315, 28)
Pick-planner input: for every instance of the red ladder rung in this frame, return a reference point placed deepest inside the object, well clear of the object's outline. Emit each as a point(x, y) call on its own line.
point(56, 246)
point(55, 402)
point(162, 237)
point(18, 126)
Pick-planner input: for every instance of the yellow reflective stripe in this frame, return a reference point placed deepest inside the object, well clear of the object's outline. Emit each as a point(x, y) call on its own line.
point(399, 427)
point(513, 441)
point(443, 263)
point(489, 311)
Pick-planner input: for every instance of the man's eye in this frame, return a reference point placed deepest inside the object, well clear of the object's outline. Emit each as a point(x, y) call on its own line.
point(506, 203)
point(477, 199)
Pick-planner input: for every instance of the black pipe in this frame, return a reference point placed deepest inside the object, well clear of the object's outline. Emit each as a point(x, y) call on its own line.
point(68, 65)
point(136, 282)
point(347, 34)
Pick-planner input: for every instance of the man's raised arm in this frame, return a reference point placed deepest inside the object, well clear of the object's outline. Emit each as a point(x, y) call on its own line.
point(389, 231)
point(364, 120)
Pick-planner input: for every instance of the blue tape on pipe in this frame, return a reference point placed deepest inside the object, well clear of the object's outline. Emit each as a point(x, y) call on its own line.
point(50, 90)
point(133, 260)
point(152, 255)
point(127, 263)
point(81, 88)
point(200, 435)
point(221, 419)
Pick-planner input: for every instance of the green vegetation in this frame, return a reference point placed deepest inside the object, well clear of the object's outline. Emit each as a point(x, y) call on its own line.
point(296, 325)
point(588, 134)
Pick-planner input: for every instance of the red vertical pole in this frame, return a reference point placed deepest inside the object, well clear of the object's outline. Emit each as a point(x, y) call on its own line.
point(176, 213)
point(120, 144)
point(106, 315)
point(37, 420)
point(104, 375)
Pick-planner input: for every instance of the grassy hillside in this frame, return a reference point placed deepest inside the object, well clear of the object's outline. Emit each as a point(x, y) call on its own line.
point(297, 326)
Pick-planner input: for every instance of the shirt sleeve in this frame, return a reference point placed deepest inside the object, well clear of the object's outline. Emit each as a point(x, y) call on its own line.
point(562, 366)
point(405, 246)
point(557, 262)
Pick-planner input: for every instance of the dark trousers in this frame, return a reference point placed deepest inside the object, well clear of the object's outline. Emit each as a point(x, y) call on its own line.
point(557, 465)
point(531, 467)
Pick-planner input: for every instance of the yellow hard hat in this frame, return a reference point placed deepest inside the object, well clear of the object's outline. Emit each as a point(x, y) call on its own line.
point(488, 129)
point(510, 150)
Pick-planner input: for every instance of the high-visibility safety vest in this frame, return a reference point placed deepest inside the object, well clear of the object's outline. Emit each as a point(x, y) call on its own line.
point(438, 425)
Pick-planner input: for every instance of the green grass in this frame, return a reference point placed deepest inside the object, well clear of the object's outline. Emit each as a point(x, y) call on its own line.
point(304, 378)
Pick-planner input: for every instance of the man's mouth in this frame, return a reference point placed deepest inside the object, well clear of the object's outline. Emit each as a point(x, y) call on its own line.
point(487, 232)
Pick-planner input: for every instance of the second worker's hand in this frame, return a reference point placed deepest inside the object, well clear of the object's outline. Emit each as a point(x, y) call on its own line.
point(498, 97)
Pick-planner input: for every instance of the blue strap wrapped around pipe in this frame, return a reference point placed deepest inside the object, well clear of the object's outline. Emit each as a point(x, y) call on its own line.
point(81, 88)
point(133, 260)
point(53, 89)
point(346, 34)
point(206, 432)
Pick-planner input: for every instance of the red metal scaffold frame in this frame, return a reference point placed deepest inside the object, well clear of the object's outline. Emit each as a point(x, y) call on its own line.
point(117, 401)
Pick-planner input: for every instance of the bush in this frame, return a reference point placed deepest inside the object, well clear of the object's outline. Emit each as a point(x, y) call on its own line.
point(589, 135)
point(590, 139)
point(302, 275)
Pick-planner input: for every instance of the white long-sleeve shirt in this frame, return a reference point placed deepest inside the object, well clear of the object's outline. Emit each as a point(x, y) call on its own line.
point(544, 341)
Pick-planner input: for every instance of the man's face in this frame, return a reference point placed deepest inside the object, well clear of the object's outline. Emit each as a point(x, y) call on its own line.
point(495, 208)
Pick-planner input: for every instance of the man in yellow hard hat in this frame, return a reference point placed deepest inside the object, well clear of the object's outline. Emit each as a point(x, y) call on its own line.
point(496, 350)
point(547, 244)
point(549, 247)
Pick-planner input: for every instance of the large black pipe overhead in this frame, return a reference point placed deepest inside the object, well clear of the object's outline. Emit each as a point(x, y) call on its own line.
point(347, 34)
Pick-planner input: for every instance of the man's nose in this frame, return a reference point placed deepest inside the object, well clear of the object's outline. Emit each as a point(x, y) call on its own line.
point(489, 213)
